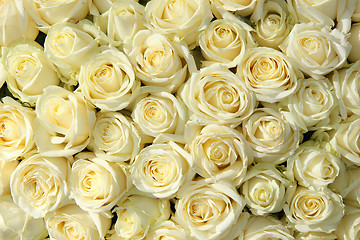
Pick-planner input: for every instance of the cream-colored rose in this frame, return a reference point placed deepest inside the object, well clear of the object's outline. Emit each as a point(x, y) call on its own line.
point(108, 80)
point(316, 48)
point(270, 135)
point(160, 169)
point(345, 81)
point(102, 6)
point(16, 129)
point(47, 13)
point(219, 152)
point(64, 122)
point(159, 113)
point(324, 11)
point(72, 223)
point(115, 137)
point(269, 73)
point(210, 210)
point(29, 70)
point(354, 40)
point(216, 95)
point(40, 184)
point(6, 169)
point(68, 47)
point(264, 189)
point(96, 184)
point(241, 7)
point(307, 209)
point(16, 224)
point(122, 21)
point(265, 227)
point(314, 105)
point(226, 41)
point(167, 230)
point(273, 23)
point(314, 165)
point(181, 18)
point(15, 23)
point(346, 140)
point(136, 214)
point(349, 227)
point(159, 61)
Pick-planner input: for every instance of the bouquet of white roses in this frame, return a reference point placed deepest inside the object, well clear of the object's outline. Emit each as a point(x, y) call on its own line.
point(180, 119)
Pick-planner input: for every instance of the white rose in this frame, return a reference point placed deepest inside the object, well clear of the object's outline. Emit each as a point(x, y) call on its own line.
point(316, 49)
point(307, 209)
point(314, 105)
point(313, 165)
point(160, 113)
point(6, 169)
point(220, 152)
point(181, 18)
point(47, 13)
point(273, 23)
point(68, 47)
point(29, 70)
point(242, 7)
point(122, 21)
point(265, 227)
point(160, 169)
point(216, 95)
point(167, 230)
point(13, 16)
point(349, 226)
point(158, 61)
point(346, 140)
point(39, 184)
point(269, 73)
point(136, 214)
point(324, 12)
point(96, 184)
point(16, 224)
point(72, 223)
point(115, 137)
point(64, 122)
point(354, 40)
point(314, 236)
point(345, 81)
point(225, 41)
point(264, 189)
point(16, 129)
point(271, 137)
point(108, 80)
point(210, 210)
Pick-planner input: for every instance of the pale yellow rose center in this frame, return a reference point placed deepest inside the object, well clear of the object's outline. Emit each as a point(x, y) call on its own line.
point(222, 96)
point(205, 208)
point(224, 36)
point(153, 113)
point(128, 224)
point(269, 130)
point(25, 67)
point(71, 230)
point(63, 42)
point(159, 170)
point(59, 112)
point(92, 184)
point(153, 58)
point(9, 130)
point(314, 48)
point(218, 152)
point(272, 21)
point(308, 206)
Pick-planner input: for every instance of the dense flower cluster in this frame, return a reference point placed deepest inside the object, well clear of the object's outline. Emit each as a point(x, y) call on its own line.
point(180, 119)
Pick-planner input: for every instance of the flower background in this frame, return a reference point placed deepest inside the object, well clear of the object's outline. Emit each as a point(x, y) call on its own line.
point(179, 119)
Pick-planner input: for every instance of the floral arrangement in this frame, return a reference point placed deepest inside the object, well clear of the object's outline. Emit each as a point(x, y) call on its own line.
point(180, 119)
